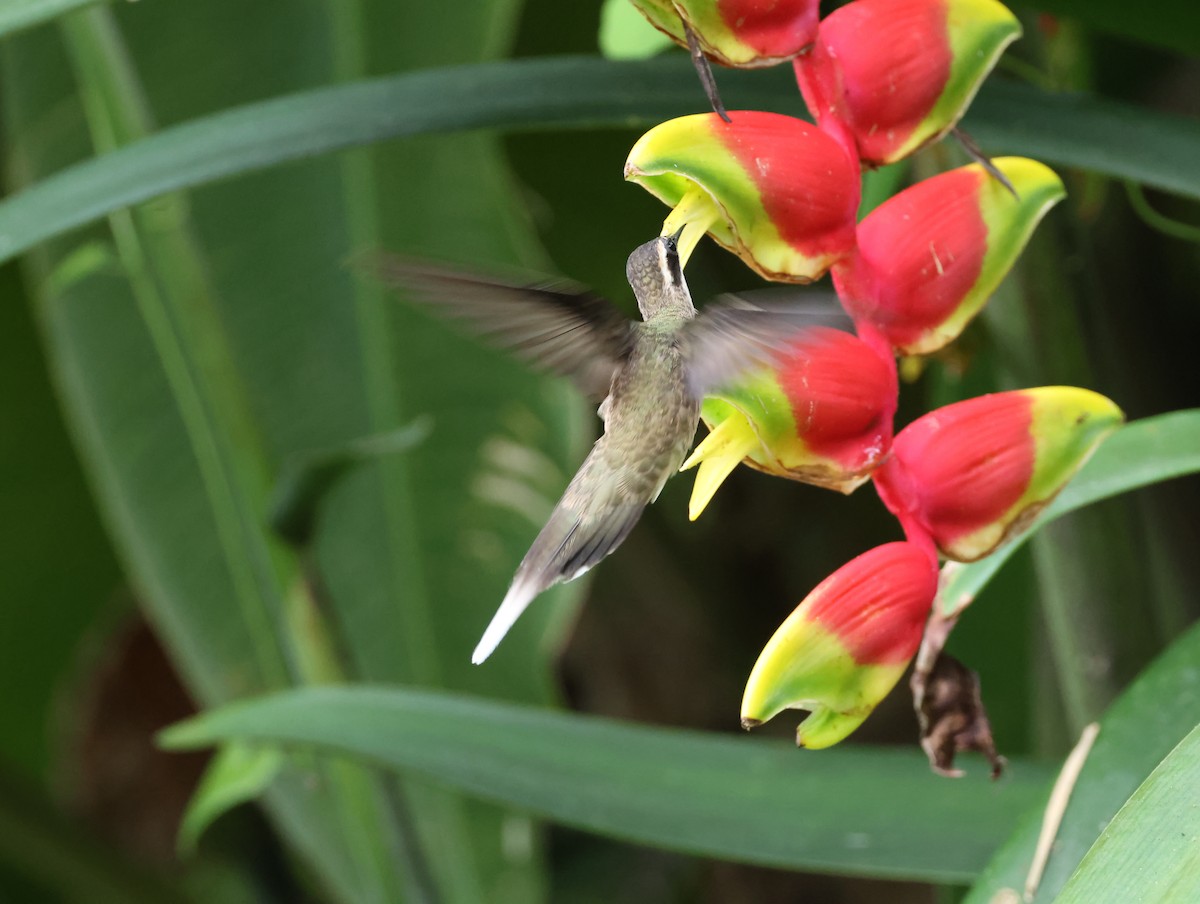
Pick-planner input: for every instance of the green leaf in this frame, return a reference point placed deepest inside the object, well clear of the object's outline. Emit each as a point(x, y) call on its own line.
point(183, 342)
point(237, 774)
point(1147, 721)
point(18, 14)
point(735, 798)
point(1154, 148)
point(48, 608)
point(305, 479)
point(1168, 23)
point(626, 35)
point(1086, 132)
point(416, 550)
point(1148, 853)
point(1142, 453)
point(256, 272)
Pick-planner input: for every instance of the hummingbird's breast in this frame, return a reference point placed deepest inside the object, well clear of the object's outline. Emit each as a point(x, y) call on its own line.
point(651, 415)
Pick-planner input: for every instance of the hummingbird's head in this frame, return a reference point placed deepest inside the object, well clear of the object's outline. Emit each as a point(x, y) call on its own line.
point(655, 273)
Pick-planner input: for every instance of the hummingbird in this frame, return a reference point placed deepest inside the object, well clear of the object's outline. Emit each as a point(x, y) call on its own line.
point(651, 377)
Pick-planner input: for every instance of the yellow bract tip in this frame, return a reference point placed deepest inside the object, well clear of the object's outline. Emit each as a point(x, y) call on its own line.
point(720, 452)
point(695, 213)
point(826, 727)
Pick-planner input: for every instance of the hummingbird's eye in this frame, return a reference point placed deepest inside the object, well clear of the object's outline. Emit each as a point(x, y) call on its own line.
point(673, 268)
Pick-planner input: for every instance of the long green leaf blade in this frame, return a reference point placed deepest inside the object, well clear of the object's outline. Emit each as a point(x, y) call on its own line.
point(141, 448)
point(392, 538)
point(1088, 132)
point(1148, 853)
point(1137, 733)
point(570, 92)
point(761, 802)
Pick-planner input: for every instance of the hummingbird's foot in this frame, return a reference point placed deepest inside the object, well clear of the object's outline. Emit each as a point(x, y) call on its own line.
point(975, 153)
point(704, 70)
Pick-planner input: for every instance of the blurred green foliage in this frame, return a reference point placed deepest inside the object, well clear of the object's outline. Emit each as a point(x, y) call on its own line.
point(161, 369)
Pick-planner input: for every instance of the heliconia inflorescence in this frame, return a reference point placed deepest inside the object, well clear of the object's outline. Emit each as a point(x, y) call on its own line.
point(971, 474)
point(775, 190)
point(928, 259)
point(887, 77)
point(742, 33)
point(882, 78)
point(822, 416)
point(846, 645)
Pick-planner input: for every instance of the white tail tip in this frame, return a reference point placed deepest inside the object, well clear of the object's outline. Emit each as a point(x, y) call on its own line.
point(519, 596)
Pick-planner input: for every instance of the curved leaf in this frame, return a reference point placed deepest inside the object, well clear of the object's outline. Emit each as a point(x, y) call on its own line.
point(740, 799)
point(1139, 731)
point(568, 92)
point(236, 775)
point(1088, 132)
point(1148, 852)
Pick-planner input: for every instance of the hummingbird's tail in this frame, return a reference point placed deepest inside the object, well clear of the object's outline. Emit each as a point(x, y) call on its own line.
point(571, 542)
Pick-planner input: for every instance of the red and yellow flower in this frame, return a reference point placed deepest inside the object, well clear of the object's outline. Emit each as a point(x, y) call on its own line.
point(846, 645)
point(823, 415)
point(889, 76)
point(974, 473)
point(775, 190)
point(928, 259)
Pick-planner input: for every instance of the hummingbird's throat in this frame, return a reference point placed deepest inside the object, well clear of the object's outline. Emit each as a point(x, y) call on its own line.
point(695, 212)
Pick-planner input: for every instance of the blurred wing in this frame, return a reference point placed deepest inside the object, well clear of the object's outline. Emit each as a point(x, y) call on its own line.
point(734, 336)
point(823, 308)
point(555, 326)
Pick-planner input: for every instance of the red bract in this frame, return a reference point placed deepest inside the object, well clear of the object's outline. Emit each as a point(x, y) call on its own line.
point(743, 33)
point(971, 474)
point(775, 190)
point(960, 467)
point(774, 29)
point(918, 256)
point(876, 604)
point(888, 76)
point(809, 191)
point(843, 398)
point(846, 645)
point(823, 415)
point(928, 259)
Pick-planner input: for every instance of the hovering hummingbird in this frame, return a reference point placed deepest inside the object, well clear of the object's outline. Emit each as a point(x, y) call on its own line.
point(651, 377)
